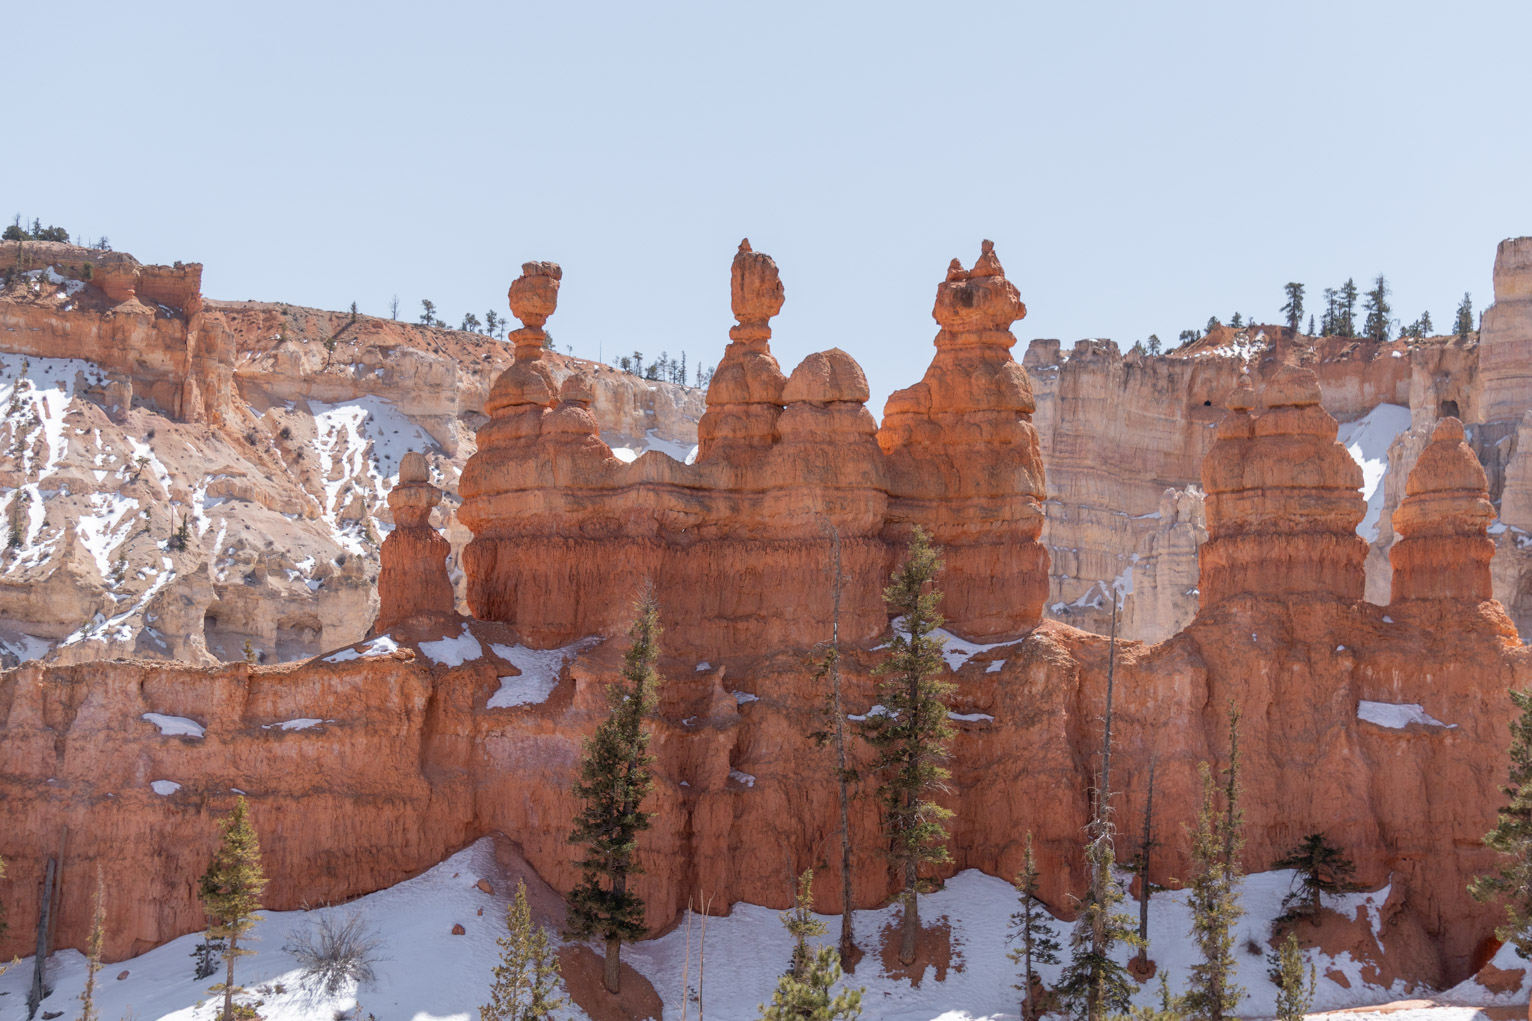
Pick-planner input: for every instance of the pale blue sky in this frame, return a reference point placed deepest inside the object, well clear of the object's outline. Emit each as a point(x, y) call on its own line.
point(1139, 166)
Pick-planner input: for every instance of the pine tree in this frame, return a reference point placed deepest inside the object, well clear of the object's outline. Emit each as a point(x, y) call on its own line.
point(1511, 838)
point(912, 734)
point(1463, 325)
point(1426, 326)
point(1327, 325)
point(93, 945)
point(615, 777)
point(1034, 939)
point(1237, 321)
point(1311, 324)
point(833, 733)
point(1154, 344)
point(427, 312)
point(1094, 984)
point(230, 890)
point(803, 991)
point(1345, 324)
point(527, 977)
point(1322, 868)
point(1286, 972)
point(491, 322)
point(1376, 325)
point(1214, 901)
point(1146, 844)
point(1293, 310)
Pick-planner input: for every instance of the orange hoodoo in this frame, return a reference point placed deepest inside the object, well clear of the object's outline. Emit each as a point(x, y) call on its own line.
point(1443, 551)
point(1283, 499)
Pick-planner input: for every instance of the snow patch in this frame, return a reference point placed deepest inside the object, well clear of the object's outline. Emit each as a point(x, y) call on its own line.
point(453, 651)
point(1367, 441)
point(175, 726)
point(540, 669)
point(165, 788)
point(1397, 715)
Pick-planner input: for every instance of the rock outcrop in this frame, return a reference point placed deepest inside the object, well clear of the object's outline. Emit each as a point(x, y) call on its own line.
point(1382, 727)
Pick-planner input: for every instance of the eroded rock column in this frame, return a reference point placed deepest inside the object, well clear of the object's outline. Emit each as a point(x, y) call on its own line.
point(1443, 551)
point(412, 579)
point(963, 457)
point(1283, 499)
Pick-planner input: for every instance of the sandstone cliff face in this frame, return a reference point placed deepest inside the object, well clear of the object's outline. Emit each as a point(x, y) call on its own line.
point(134, 409)
point(374, 762)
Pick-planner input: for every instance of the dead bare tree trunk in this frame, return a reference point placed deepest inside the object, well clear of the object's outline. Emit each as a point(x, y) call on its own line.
point(1145, 845)
point(44, 916)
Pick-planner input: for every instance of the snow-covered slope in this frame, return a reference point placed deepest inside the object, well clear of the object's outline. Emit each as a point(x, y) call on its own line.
point(426, 972)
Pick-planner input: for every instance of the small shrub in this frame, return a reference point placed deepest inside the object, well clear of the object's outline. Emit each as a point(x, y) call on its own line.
point(207, 955)
point(332, 951)
point(286, 433)
point(1252, 947)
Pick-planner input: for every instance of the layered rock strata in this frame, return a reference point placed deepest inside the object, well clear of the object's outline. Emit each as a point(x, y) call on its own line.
point(1283, 498)
point(1382, 727)
point(565, 533)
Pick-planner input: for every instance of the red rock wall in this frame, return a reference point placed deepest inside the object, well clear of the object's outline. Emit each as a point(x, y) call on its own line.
point(411, 762)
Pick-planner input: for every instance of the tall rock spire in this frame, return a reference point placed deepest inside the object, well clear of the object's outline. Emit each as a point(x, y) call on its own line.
point(412, 579)
point(963, 456)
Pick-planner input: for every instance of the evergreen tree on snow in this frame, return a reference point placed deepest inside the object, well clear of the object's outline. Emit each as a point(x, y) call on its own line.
point(913, 732)
point(1294, 996)
point(803, 991)
point(527, 978)
point(1322, 868)
point(1032, 937)
point(615, 778)
point(1211, 994)
point(231, 890)
point(1094, 985)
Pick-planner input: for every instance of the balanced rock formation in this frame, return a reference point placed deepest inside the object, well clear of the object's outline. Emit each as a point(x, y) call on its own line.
point(745, 396)
point(412, 578)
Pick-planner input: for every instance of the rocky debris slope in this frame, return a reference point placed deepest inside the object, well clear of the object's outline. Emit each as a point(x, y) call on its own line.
point(199, 480)
point(1381, 726)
